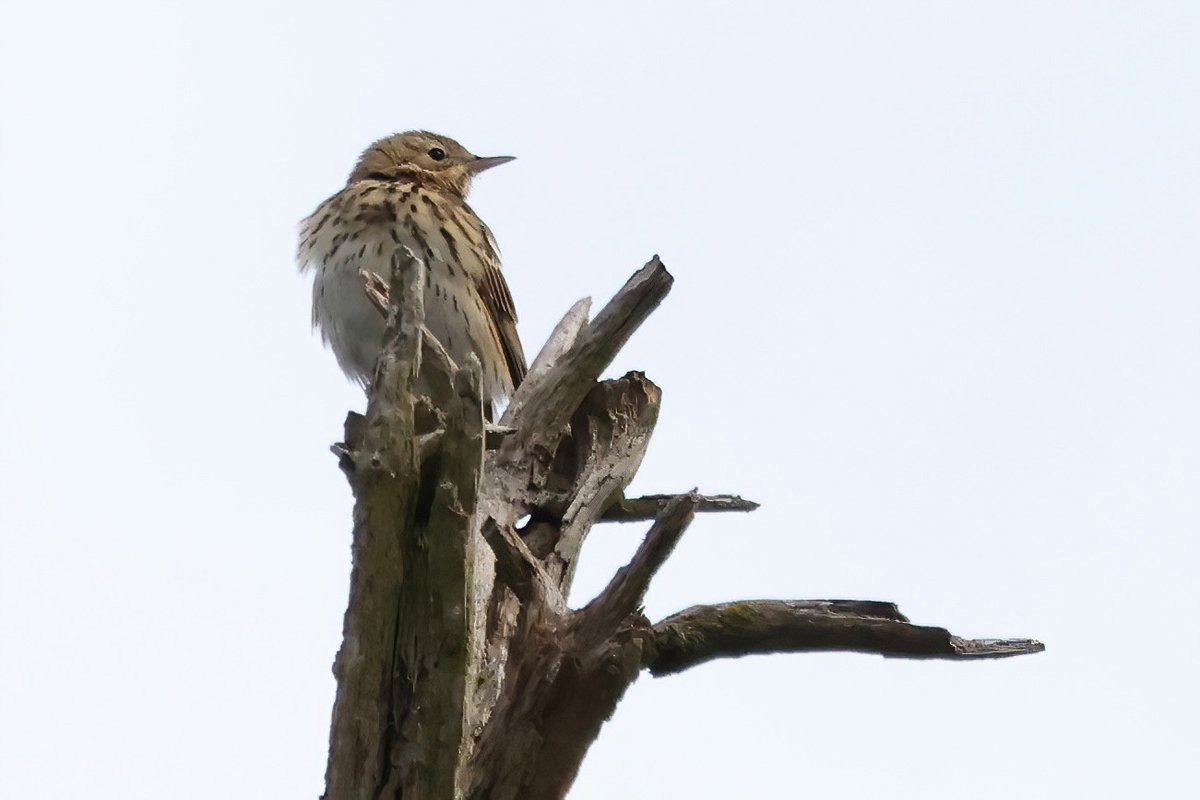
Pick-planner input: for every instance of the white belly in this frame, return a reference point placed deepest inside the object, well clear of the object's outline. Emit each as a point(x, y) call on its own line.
point(353, 327)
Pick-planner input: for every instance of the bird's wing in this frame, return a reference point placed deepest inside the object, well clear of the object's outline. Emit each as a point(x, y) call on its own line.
point(498, 298)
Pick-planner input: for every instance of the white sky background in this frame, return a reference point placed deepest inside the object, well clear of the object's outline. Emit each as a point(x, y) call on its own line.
point(936, 308)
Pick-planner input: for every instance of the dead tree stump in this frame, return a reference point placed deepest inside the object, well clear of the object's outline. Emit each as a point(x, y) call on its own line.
point(462, 672)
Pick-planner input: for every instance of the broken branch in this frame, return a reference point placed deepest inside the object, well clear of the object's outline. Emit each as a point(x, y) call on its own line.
point(647, 507)
point(553, 399)
point(731, 630)
point(625, 591)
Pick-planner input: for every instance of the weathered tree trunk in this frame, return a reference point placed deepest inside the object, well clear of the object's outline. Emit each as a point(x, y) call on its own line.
point(462, 671)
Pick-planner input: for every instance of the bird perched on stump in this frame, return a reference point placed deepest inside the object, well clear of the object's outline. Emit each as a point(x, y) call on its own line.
point(409, 190)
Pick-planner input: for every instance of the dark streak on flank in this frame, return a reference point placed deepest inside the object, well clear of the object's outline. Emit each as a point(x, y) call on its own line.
point(458, 223)
point(453, 245)
point(415, 232)
point(434, 207)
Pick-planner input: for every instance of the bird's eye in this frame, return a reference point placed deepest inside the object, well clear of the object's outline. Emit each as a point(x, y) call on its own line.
point(437, 153)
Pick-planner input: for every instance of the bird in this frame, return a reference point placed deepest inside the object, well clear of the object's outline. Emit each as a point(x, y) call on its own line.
point(409, 190)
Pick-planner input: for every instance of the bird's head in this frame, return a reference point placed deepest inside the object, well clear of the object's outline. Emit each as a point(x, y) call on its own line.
point(424, 157)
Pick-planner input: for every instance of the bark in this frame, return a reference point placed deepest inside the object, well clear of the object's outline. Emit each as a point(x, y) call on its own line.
point(728, 630)
point(462, 671)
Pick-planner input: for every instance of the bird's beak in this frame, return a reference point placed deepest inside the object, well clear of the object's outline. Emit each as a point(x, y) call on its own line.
point(478, 165)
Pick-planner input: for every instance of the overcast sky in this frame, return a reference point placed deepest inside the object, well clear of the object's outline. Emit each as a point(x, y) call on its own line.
point(936, 308)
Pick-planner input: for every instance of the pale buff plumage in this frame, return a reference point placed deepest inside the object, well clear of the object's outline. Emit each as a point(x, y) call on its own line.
point(409, 190)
